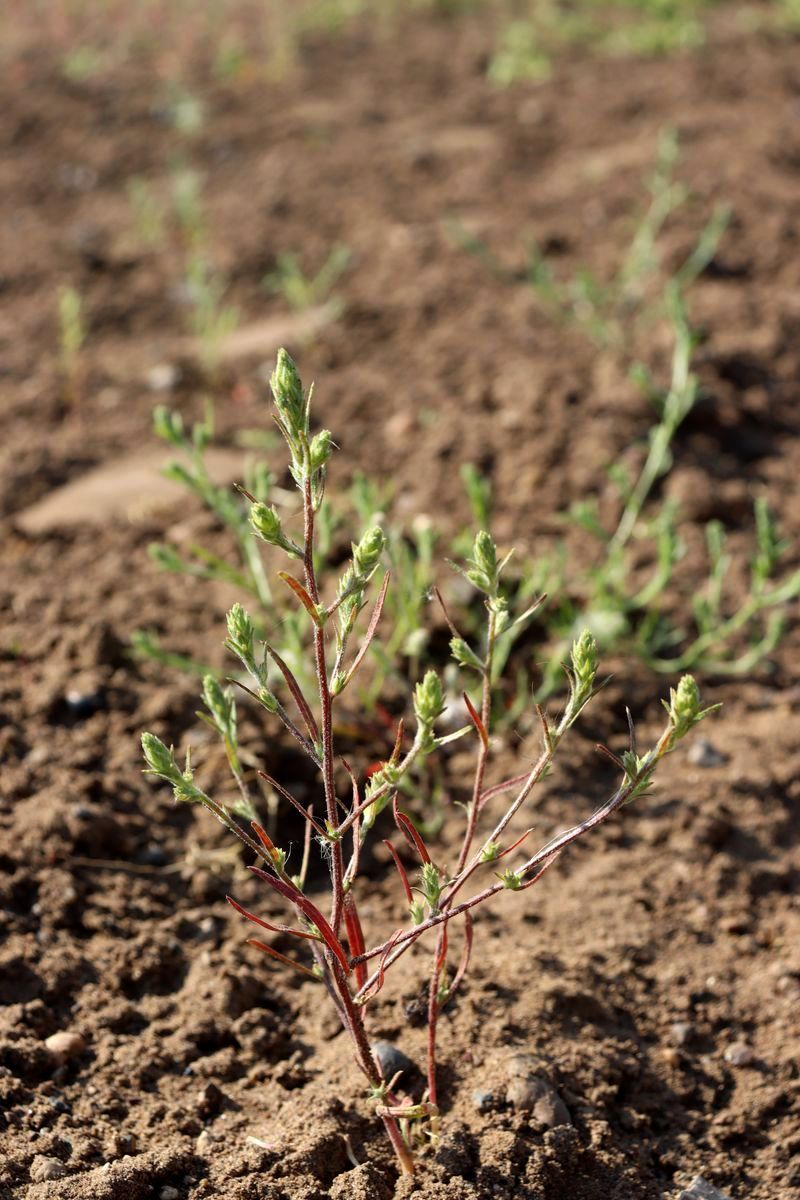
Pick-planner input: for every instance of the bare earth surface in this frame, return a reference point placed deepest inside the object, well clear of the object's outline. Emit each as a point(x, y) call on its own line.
point(654, 976)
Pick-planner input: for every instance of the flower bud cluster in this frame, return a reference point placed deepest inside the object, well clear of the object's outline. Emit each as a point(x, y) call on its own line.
point(161, 762)
point(266, 524)
point(309, 455)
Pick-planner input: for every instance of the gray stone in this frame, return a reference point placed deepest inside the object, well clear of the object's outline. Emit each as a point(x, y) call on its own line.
point(703, 754)
point(391, 1060)
point(44, 1168)
point(532, 1093)
point(740, 1054)
point(483, 1101)
point(163, 377)
point(699, 1189)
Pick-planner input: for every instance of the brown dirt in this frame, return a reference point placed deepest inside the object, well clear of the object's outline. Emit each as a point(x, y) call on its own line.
point(113, 925)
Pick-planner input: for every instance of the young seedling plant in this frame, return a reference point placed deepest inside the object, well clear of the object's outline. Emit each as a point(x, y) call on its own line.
point(439, 897)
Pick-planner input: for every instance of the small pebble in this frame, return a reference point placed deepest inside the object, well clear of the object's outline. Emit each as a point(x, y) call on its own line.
point(207, 928)
point(740, 1054)
point(483, 1101)
point(699, 1189)
point(680, 1032)
point(391, 1060)
point(534, 1094)
point(121, 1145)
point(209, 1100)
point(162, 378)
point(84, 704)
point(703, 754)
point(44, 1168)
point(168, 1193)
point(205, 1142)
point(152, 856)
point(65, 1045)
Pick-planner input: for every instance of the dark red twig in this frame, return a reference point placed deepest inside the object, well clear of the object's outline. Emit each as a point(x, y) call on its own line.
point(476, 721)
point(295, 803)
point(371, 629)
point(409, 833)
point(301, 933)
point(282, 958)
point(400, 870)
point(310, 910)
point(297, 695)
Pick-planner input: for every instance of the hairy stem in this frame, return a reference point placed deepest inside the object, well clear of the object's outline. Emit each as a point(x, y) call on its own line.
point(337, 871)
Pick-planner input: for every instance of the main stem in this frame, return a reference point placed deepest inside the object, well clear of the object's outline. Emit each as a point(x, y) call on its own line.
point(353, 1022)
point(434, 1004)
point(337, 870)
point(351, 1016)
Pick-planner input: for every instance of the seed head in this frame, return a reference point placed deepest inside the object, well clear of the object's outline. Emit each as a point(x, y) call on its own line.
point(266, 523)
point(584, 660)
point(464, 655)
point(320, 449)
point(367, 553)
point(428, 699)
point(287, 392)
point(684, 707)
point(160, 761)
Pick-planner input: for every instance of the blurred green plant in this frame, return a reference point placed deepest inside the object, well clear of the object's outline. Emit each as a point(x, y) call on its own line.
point(711, 633)
point(204, 288)
point(609, 312)
point(637, 618)
point(301, 291)
point(519, 56)
point(149, 213)
point(72, 333)
point(210, 320)
point(82, 63)
point(541, 30)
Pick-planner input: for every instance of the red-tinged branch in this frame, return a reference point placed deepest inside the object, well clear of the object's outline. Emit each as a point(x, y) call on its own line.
point(297, 695)
point(370, 634)
point(295, 804)
point(513, 846)
point(290, 892)
point(301, 933)
point(498, 789)
point(401, 871)
point(355, 937)
point(408, 831)
point(538, 863)
point(434, 1005)
point(354, 1024)
point(476, 721)
point(282, 958)
point(336, 865)
point(370, 989)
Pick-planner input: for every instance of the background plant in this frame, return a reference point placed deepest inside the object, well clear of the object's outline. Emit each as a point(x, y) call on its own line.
point(611, 311)
point(351, 973)
point(302, 292)
point(626, 613)
point(72, 331)
point(622, 615)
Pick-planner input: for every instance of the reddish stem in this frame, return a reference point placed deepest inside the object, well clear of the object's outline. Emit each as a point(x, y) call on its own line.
point(337, 871)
